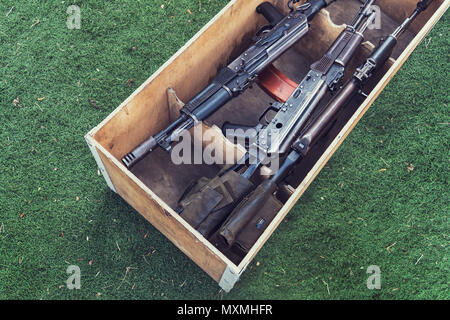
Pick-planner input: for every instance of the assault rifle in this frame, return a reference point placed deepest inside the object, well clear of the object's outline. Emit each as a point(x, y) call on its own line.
point(205, 209)
point(324, 75)
point(253, 203)
point(283, 32)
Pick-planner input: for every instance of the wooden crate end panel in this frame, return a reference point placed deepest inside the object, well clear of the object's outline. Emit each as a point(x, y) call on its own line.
point(100, 165)
point(181, 237)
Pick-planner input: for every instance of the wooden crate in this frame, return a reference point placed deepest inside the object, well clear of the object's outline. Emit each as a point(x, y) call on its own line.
point(152, 187)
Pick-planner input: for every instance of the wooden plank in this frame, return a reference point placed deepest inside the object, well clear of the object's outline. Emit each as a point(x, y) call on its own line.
point(88, 138)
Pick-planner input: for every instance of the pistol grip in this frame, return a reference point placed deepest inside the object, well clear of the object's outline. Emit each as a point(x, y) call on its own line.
point(270, 13)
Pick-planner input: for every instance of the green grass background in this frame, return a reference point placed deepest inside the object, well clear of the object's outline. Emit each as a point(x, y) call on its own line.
point(347, 220)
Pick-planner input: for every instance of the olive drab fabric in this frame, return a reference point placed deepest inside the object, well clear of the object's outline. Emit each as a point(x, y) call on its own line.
point(208, 202)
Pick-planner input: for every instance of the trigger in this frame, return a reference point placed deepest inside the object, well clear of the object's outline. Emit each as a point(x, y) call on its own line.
point(263, 30)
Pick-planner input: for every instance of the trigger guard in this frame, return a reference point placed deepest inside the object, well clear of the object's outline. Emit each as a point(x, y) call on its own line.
point(274, 106)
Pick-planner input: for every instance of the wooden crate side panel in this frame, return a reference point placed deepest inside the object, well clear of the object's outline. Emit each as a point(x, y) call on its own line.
point(176, 232)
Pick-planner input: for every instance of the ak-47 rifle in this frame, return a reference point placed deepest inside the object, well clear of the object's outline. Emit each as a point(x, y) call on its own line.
point(324, 75)
point(252, 204)
point(290, 117)
point(272, 41)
